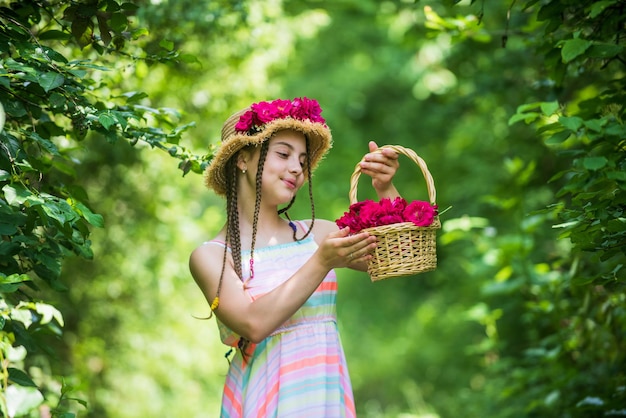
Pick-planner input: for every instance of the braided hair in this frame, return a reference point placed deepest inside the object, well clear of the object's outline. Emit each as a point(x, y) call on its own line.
point(233, 234)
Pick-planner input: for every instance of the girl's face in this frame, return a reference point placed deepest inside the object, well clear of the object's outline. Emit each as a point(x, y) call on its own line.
point(284, 170)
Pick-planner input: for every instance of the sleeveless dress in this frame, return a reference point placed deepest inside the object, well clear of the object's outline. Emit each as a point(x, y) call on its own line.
point(300, 369)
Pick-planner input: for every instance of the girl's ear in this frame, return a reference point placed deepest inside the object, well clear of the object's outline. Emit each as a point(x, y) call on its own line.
point(242, 160)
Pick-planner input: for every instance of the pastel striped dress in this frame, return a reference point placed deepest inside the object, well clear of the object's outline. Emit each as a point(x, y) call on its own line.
point(300, 369)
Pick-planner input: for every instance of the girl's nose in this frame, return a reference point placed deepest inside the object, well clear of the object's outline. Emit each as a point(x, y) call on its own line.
point(295, 166)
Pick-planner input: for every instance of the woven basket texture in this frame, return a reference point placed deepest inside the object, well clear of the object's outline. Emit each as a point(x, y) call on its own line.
point(404, 249)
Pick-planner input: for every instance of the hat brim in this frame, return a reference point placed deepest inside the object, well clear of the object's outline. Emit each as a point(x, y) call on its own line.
point(318, 135)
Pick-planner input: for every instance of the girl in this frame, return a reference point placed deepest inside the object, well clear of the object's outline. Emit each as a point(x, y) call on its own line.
point(270, 281)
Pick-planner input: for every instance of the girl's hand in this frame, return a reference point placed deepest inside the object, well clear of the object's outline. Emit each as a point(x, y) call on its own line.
point(340, 249)
point(381, 167)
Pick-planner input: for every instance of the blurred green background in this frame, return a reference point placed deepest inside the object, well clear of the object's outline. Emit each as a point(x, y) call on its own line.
point(498, 330)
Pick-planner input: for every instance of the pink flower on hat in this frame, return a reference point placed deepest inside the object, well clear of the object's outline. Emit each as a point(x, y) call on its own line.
point(246, 121)
point(262, 113)
point(304, 108)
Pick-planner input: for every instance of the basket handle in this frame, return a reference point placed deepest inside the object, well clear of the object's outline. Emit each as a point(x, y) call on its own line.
point(430, 184)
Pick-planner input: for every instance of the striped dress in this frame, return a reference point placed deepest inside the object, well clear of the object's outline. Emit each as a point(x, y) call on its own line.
point(300, 369)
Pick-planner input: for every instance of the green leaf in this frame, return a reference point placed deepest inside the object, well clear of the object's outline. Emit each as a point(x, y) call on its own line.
point(16, 195)
point(165, 44)
point(558, 137)
point(15, 108)
point(573, 123)
point(616, 175)
point(11, 283)
point(78, 73)
point(50, 81)
point(54, 55)
point(189, 59)
point(49, 268)
point(136, 34)
point(599, 6)
point(57, 100)
point(119, 22)
point(93, 218)
point(573, 48)
point(48, 312)
point(9, 248)
point(121, 118)
point(45, 143)
point(595, 124)
point(134, 96)
point(7, 229)
point(19, 377)
point(616, 225)
point(59, 211)
point(82, 30)
point(594, 163)
point(107, 120)
point(54, 34)
point(14, 278)
point(549, 108)
point(605, 51)
point(526, 117)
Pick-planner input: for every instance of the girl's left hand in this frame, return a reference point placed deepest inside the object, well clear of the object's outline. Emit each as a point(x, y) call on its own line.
point(381, 167)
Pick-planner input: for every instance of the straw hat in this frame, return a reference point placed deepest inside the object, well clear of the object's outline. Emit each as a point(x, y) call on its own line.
point(258, 122)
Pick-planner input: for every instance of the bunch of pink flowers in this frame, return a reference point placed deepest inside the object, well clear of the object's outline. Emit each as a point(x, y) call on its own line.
point(368, 213)
point(262, 113)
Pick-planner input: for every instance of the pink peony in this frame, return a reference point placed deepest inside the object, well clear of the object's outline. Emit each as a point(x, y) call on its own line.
point(354, 217)
point(305, 108)
point(265, 112)
point(262, 113)
point(420, 213)
point(246, 121)
point(368, 213)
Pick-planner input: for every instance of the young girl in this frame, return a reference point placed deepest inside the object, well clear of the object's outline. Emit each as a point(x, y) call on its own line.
point(270, 280)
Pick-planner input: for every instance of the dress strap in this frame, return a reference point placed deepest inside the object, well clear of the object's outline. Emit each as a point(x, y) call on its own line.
point(217, 242)
point(303, 226)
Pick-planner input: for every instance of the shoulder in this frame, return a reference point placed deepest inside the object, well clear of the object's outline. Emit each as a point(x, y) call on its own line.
point(203, 263)
point(321, 228)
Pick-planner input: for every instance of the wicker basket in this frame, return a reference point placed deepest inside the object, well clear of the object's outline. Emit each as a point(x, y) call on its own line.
point(404, 249)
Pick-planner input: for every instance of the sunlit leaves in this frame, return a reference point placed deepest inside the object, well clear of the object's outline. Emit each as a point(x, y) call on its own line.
point(595, 163)
point(22, 399)
point(460, 27)
point(573, 48)
point(52, 102)
point(92, 218)
point(49, 81)
point(11, 283)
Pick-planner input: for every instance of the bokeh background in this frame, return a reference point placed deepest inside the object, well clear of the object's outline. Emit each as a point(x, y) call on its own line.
point(498, 330)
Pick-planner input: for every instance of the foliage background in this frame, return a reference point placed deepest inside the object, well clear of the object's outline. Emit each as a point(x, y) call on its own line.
point(517, 107)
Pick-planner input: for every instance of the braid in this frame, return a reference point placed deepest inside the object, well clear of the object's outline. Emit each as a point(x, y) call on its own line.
point(244, 343)
point(291, 224)
point(257, 203)
point(286, 208)
point(232, 229)
point(309, 176)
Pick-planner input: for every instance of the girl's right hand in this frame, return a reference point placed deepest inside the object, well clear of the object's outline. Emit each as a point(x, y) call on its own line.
point(340, 249)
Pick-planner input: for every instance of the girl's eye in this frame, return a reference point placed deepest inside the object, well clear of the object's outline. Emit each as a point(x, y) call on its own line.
point(283, 155)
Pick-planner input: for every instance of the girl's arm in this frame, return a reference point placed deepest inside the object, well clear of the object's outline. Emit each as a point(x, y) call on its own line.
point(256, 319)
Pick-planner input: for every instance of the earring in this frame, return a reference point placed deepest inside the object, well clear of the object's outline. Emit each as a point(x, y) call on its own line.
point(244, 170)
